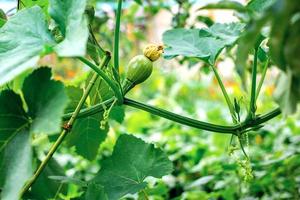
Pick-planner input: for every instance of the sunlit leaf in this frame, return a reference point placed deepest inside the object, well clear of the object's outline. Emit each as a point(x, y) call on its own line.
point(205, 43)
point(69, 15)
point(22, 42)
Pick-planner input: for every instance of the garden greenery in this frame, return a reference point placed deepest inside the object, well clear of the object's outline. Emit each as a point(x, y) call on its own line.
point(268, 30)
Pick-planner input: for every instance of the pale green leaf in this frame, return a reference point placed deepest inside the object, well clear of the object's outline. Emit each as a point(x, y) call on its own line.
point(69, 15)
point(205, 43)
point(22, 42)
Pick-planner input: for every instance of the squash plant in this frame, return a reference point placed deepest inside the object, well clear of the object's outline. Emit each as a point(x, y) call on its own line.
point(45, 106)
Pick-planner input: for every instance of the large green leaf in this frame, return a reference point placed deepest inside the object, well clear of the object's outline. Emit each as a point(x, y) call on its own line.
point(87, 135)
point(131, 162)
point(204, 43)
point(15, 146)
point(46, 100)
point(22, 42)
point(69, 15)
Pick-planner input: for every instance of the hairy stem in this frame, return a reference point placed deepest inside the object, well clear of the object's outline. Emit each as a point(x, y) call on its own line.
point(225, 94)
point(111, 83)
point(66, 130)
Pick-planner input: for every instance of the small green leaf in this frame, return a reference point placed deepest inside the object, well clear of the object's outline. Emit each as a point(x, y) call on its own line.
point(69, 15)
point(259, 6)
point(30, 3)
point(117, 113)
point(46, 100)
point(22, 41)
point(204, 43)
point(225, 4)
point(87, 136)
point(131, 162)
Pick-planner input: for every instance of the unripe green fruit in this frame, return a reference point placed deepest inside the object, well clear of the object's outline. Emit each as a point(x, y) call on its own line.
point(139, 69)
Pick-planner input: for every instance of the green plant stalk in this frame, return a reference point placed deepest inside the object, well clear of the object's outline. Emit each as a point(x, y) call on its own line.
point(180, 119)
point(252, 106)
point(225, 94)
point(66, 130)
point(117, 35)
point(261, 81)
point(110, 83)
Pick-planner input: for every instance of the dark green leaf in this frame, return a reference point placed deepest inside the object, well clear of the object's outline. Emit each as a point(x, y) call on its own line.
point(69, 15)
point(87, 136)
point(46, 100)
point(131, 162)
point(22, 42)
point(45, 188)
point(139, 2)
point(74, 95)
point(117, 113)
point(204, 43)
point(2, 18)
point(95, 192)
point(12, 116)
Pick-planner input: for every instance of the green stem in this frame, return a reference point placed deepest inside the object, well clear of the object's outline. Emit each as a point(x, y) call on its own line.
point(252, 107)
point(225, 94)
point(66, 130)
point(117, 36)
point(106, 78)
point(180, 119)
point(262, 79)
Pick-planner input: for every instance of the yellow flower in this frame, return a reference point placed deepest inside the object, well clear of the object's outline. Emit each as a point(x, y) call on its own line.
point(153, 51)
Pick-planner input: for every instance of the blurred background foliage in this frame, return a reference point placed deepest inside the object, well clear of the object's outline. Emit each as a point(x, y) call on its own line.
point(203, 165)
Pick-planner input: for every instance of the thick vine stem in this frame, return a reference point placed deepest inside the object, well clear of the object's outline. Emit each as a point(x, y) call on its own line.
point(67, 128)
point(248, 124)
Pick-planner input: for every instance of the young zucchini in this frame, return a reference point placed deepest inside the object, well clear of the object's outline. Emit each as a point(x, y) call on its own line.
point(140, 67)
